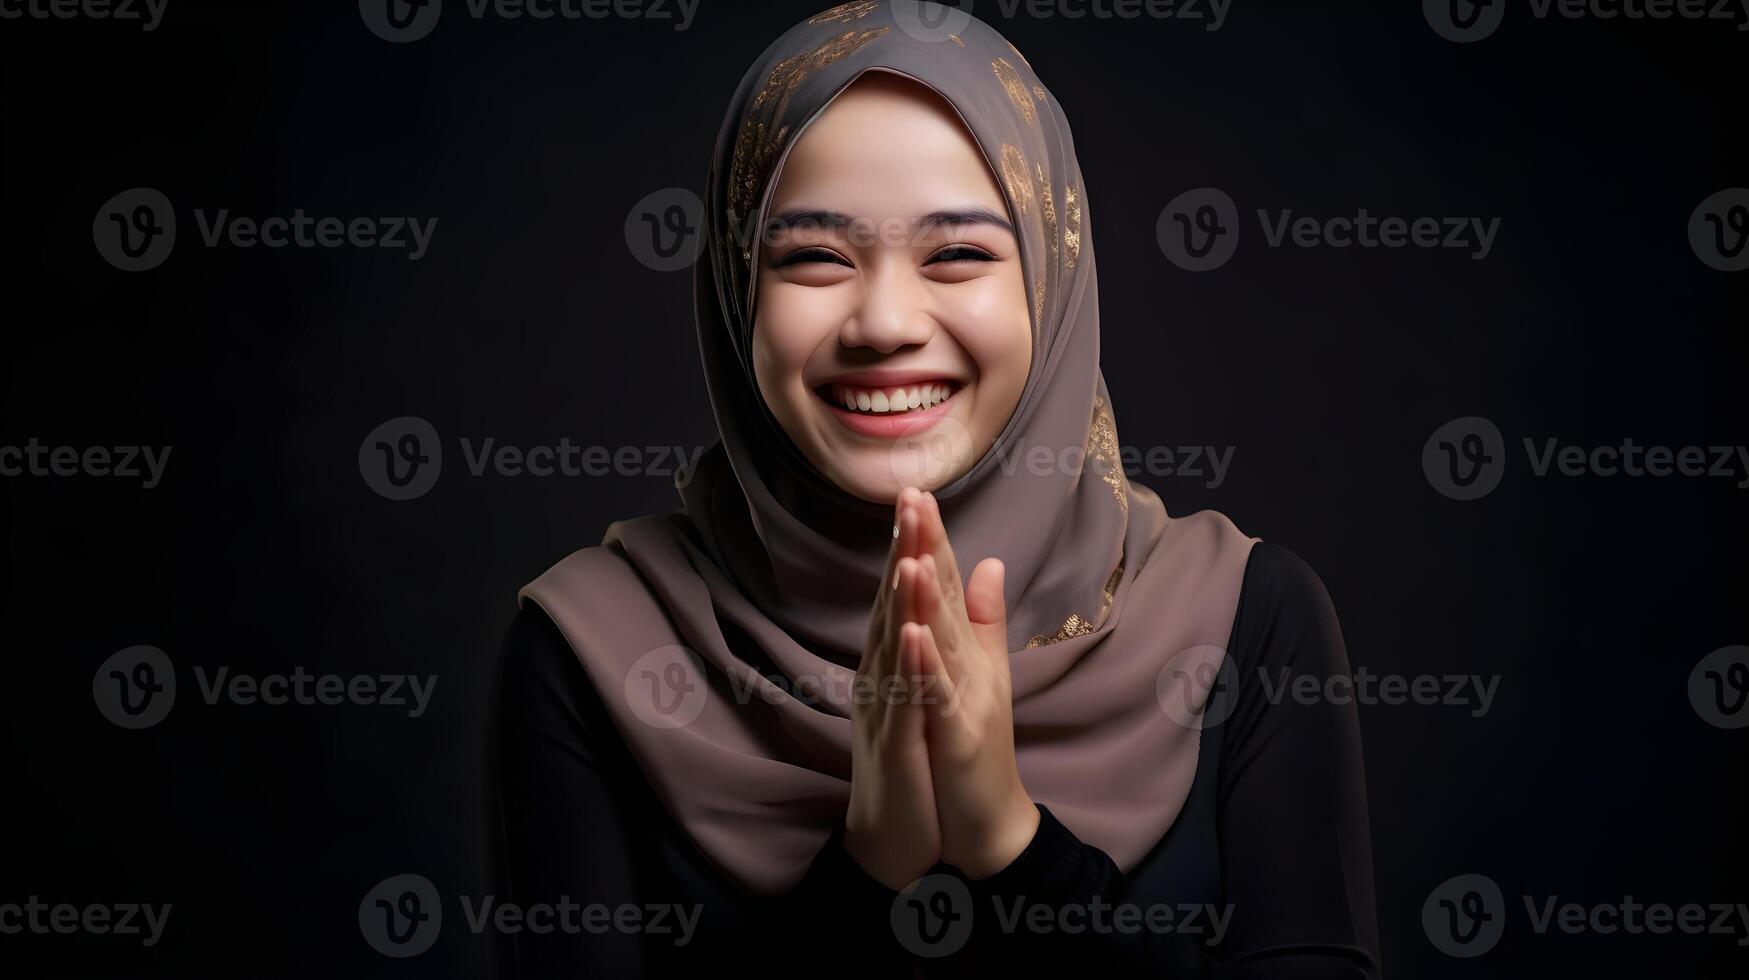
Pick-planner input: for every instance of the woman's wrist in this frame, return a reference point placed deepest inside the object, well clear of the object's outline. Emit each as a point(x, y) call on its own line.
point(876, 860)
point(1007, 840)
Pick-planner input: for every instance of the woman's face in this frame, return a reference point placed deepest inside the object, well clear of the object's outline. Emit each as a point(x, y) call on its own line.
point(891, 337)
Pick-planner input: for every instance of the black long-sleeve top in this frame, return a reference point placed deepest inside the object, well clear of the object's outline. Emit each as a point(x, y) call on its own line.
point(1267, 872)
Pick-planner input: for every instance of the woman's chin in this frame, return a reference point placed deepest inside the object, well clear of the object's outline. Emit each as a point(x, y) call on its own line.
point(879, 475)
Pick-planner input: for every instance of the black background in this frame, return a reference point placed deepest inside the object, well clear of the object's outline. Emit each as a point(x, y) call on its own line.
point(1326, 370)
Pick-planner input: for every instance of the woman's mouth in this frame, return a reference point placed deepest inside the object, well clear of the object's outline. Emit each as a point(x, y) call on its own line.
point(889, 411)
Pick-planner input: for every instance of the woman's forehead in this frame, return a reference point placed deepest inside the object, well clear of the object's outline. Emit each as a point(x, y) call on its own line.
point(886, 150)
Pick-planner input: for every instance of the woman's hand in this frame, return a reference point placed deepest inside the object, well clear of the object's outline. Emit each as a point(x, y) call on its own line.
point(987, 818)
point(890, 827)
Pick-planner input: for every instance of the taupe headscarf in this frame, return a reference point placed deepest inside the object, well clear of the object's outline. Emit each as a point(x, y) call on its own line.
point(723, 638)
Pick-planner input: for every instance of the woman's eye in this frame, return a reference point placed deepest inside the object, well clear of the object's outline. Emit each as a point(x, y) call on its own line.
point(961, 253)
point(812, 254)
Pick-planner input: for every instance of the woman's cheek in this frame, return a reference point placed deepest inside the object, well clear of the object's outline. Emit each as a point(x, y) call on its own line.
point(991, 323)
point(791, 324)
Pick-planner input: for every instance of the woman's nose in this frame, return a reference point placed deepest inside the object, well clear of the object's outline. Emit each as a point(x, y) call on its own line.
point(892, 312)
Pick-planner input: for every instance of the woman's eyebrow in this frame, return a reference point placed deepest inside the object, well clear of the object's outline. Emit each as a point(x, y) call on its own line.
point(963, 216)
point(822, 218)
point(809, 217)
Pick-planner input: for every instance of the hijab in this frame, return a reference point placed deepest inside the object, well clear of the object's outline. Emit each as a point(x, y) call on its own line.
point(723, 637)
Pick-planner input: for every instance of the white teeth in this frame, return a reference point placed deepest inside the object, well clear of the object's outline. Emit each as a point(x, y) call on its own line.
point(891, 400)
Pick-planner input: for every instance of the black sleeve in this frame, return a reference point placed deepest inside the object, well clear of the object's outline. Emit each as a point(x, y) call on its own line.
point(566, 833)
point(1296, 858)
point(578, 814)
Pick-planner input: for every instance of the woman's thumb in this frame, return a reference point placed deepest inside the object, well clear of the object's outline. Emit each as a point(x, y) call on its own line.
point(985, 606)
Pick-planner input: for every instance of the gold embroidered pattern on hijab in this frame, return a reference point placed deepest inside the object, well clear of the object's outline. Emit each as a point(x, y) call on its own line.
point(1077, 625)
point(755, 145)
point(1072, 228)
point(1016, 89)
point(1101, 446)
point(845, 12)
point(1018, 181)
point(1047, 210)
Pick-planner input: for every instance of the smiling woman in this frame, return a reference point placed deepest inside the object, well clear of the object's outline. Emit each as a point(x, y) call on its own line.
point(786, 709)
point(891, 296)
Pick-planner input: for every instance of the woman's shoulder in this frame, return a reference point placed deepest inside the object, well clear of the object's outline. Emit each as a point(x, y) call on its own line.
point(544, 690)
point(1279, 577)
point(1285, 613)
point(536, 660)
point(579, 573)
point(539, 666)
